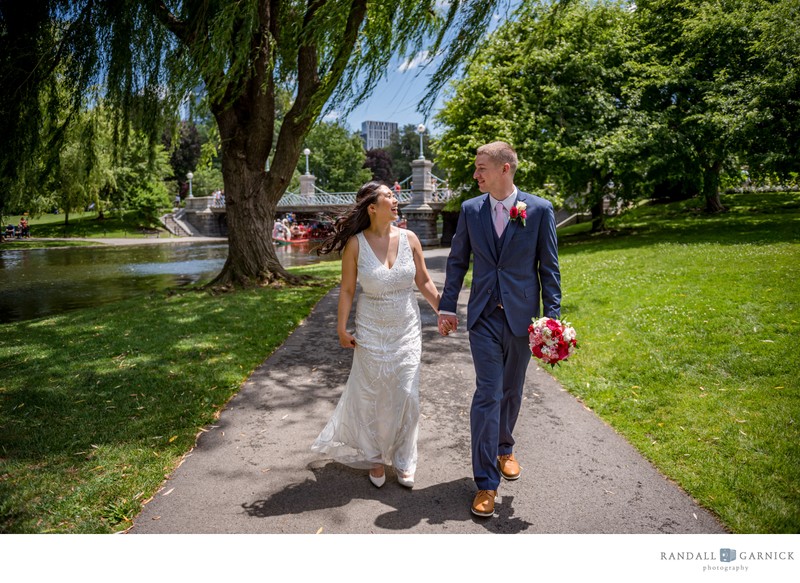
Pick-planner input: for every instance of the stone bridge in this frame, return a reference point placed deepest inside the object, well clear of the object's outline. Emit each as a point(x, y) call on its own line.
point(421, 205)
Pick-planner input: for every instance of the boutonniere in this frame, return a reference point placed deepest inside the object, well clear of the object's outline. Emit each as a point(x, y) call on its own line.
point(518, 212)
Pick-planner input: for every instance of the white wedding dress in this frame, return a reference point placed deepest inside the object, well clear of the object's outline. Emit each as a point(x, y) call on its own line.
point(377, 417)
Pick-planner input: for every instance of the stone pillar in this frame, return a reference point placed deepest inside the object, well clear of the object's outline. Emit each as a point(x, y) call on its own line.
point(307, 187)
point(419, 214)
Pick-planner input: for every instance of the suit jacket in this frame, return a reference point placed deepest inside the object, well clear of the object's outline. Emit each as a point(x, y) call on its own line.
point(525, 270)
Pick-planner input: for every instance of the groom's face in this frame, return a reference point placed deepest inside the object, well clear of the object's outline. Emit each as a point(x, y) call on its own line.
point(490, 175)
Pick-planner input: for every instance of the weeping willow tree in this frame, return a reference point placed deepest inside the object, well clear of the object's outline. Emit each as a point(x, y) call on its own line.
point(150, 55)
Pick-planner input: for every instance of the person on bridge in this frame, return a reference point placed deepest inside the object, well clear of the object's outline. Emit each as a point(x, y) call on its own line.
point(376, 421)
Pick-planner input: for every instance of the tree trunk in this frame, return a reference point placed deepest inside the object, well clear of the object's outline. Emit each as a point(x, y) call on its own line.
point(251, 195)
point(598, 217)
point(711, 188)
point(252, 260)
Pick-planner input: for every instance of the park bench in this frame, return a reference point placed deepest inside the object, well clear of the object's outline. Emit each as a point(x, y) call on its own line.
point(150, 232)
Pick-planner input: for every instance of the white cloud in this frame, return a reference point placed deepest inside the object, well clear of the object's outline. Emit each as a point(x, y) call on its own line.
point(417, 60)
point(332, 116)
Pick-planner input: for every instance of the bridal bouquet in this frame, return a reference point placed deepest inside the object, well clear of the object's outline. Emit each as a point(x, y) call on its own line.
point(552, 340)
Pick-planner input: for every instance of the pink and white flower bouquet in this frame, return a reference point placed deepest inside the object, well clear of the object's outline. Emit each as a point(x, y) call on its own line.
point(552, 340)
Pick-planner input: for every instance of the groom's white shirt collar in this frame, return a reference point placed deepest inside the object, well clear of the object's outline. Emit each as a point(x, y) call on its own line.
point(508, 202)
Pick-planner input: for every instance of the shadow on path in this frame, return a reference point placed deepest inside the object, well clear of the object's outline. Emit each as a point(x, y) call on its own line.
point(335, 485)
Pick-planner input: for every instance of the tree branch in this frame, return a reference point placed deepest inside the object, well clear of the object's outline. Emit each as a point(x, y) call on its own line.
point(262, 84)
point(311, 92)
point(178, 27)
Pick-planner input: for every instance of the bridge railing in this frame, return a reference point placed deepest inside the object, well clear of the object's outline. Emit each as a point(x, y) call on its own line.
point(349, 198)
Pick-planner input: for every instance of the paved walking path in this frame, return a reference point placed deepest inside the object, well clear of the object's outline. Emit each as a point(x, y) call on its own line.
point(253, 472)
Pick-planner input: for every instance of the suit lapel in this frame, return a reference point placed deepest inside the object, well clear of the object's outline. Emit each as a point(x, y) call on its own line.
point(488, 227)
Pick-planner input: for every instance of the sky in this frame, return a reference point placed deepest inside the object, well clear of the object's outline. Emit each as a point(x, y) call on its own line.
point(398, 94)
point(396, 98)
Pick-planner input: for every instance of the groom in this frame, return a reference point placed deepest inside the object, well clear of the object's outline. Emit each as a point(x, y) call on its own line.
point(511, 236)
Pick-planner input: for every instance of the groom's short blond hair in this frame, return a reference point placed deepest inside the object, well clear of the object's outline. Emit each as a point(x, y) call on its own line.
point(501, 153)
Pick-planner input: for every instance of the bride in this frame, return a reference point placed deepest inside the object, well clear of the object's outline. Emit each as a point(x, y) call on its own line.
point(376, 420)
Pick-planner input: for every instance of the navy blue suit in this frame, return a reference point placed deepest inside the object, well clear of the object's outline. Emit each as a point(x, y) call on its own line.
point(513, 271)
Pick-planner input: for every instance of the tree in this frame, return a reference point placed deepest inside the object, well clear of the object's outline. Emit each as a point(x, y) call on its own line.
point(78, 176)
point(337, 158)
point(185, 156)
point(549, 82)
point(705, 81)
point(770, 97)
point(379, 163)
point(325, 52)
point(24, 29)
point(661, 98)
point(404, 148)
point(149, 200)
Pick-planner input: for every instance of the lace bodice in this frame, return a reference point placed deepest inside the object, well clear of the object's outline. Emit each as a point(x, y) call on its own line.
point(375, 278)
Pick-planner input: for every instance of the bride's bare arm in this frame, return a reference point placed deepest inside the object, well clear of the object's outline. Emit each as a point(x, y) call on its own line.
point(423, 279)
point(347, 292)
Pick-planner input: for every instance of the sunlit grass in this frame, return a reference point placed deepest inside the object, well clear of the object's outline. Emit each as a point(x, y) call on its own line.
point(688, 327)
point(98, 405)
point(86, 225)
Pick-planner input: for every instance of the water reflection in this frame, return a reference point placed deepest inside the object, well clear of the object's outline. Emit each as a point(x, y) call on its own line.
point(40, 282)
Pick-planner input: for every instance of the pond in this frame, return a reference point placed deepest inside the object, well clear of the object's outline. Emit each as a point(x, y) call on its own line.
point(41, 282)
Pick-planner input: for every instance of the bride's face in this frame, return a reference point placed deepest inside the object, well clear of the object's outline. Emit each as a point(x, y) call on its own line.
point(384, 209)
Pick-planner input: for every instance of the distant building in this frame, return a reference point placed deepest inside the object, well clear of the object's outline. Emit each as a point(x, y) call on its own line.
point(377, 134)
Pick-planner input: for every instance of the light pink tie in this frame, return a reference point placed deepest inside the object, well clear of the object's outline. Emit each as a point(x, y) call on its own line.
point(499, 219)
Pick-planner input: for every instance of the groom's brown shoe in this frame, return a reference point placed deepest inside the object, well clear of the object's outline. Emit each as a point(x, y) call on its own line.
point(509, 467)
point(483, 504)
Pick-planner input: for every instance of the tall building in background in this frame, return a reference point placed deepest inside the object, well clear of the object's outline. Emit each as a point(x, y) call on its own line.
point(377, 134)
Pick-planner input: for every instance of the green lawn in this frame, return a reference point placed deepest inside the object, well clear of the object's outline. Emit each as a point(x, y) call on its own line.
point(689, 330)
point(98, 405)
point(114, 225)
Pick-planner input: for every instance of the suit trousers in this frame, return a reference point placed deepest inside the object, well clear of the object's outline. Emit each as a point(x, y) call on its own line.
point(501, 361)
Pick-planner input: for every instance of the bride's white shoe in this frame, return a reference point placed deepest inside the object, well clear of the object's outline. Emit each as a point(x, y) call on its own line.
point(405, 479)
point(377, 481)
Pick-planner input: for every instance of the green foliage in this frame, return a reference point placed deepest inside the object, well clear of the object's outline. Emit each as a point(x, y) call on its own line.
point(207, 179)
point(336, 159)
point(772, 121)
point(185, 154)
point(669, 99)
point(150, 57)
point(139, 171)
point(550, 84)
point(404, 149)
point(379, 163)
point(149, 201)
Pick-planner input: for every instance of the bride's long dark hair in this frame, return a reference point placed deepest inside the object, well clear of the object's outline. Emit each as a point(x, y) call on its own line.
point(353, 221)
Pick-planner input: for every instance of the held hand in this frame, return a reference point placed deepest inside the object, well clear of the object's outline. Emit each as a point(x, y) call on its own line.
point(447, 323)
point(347, 340)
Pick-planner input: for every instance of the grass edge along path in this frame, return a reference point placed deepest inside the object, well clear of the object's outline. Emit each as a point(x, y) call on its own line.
point(98, 406)
point(689, 327)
